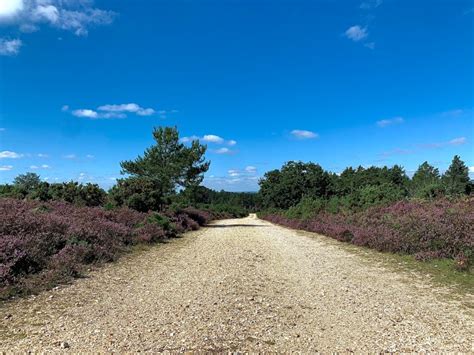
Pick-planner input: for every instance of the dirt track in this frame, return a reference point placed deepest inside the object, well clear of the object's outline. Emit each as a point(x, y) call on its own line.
point(241, 285)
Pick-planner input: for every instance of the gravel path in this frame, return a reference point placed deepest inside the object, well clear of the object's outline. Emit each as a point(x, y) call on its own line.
point(239, 285)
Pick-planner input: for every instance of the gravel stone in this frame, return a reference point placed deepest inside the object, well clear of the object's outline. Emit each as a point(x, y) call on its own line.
point(241, 285)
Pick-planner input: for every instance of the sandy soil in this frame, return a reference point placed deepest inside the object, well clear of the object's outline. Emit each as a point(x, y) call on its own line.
point(240, 285)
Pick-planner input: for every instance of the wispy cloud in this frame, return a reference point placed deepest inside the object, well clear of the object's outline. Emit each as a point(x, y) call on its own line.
point(7, 154)
point(43, 166)
point(10, 47)
point(303, 134)
point(77, 16)
point(2, 129)
point(6, 167)
point(356, 33)
point(127, 108)
point(70, 156)
point(251, 169)
point(41, 155)
point(420, 147)
point(111, 111)
point(390, 122)
point(372, 4)
point(223, 150)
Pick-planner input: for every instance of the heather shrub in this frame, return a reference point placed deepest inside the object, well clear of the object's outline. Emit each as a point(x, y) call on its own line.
point(426, 229)
point(46, 243)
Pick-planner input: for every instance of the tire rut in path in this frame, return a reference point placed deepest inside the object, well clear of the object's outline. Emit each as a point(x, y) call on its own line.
point(242, 285)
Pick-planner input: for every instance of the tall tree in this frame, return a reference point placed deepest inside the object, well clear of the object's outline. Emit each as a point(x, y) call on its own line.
point(166, 166)
point(26, 183)
point(456, 178)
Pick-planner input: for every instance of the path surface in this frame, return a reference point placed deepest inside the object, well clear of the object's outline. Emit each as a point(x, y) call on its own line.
point(244, 285)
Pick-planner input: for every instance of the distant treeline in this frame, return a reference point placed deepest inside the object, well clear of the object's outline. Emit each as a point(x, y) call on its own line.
point(357, 189)
point(167, 176)
point(429, 216)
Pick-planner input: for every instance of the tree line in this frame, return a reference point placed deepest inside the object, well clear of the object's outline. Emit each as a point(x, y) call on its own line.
point(168, 174)
point(359, 188)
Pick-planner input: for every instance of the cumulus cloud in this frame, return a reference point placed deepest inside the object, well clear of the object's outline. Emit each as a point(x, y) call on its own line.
point(10, 8)
point(85, 113)
point(10, 47)
point(131, 108)
point(6, 167)
point(303, 134)
point(471, 169)
point(111, 111)
point(390, 122)
point(77, 16)
point(356, 33)
point(6, 154)
point(209, 138)
point(212, 138)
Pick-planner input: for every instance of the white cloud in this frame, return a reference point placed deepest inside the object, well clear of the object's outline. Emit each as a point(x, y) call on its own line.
point(251, 169)
point(9, 8)
point(188, 139)
point(36, 167)
point(90, 156)
point(391, 121)
point(70, 156)
point(6, 167)
point(46, 12)
point(85, 113)
point(233, 173)
point(65, 108)
point(77, 16)
point(303, 134)
point(356, 33)
point(112, 111)
point(223, 151)
point(41, 155)
point(458, 141)
point(211, 138)
point(10, 47)
point(471, 169)
point(6, 154)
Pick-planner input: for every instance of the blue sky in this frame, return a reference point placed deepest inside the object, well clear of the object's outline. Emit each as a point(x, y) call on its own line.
point(340, 83)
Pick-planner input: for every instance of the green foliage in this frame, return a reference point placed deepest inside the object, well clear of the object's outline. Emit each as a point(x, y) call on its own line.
point(307, 208)
point(163, 168)
point(456, 178)
point(285, 187)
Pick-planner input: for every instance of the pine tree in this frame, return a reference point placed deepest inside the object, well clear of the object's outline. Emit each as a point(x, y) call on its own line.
point(456, 178)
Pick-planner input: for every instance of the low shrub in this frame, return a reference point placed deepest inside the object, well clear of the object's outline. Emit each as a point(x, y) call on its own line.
point(426, 229)
point(46, 243)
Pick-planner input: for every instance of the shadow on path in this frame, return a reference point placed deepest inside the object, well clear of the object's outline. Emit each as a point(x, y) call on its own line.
point(233, 225)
